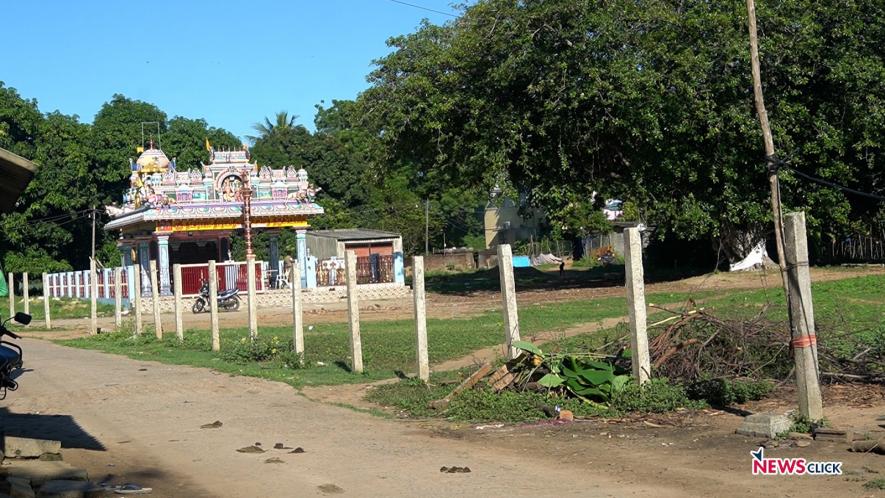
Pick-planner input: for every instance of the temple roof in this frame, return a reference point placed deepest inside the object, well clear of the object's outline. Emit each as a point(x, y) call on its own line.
point(153, 161)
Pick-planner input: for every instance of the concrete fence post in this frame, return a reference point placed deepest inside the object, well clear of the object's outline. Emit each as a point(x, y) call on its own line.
point(353, 312)
point(93, 298)
point(297, 312)
point(176, 295)
point(135, 294)
point(155, 300)
point(26, 294)
point(801, 310)
point(213, 306)
point(118, 297)
point(252, 298)
point(420, 317)
point(508, 296)
point(636, 305)
point(46, 295)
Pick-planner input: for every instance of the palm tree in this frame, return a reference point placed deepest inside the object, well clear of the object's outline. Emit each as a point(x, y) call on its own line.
point(281, 122)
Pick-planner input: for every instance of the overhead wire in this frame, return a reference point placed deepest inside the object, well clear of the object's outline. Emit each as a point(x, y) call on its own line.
point(425, 8)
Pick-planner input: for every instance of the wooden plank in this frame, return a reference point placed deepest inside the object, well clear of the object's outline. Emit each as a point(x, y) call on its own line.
point(442, 404)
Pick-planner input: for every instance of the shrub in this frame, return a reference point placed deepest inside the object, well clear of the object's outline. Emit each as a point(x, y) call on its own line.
point(657, 395)
point(724, 392)
point(260, 349)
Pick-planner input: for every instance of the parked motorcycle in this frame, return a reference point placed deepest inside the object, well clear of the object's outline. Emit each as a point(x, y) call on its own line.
point(228, 300)
point(10, 355)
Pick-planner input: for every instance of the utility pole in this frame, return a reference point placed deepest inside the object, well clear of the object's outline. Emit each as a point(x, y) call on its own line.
point(796, 276)
point(426, 226)
point(93, 232)
point(773, 182)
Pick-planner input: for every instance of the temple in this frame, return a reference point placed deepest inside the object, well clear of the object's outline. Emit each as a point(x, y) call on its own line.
point(187, 217)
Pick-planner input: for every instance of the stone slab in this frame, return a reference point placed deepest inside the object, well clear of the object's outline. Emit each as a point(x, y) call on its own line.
point(70, 489)
point(764, 425)
point(24, 447)
point(40, 472)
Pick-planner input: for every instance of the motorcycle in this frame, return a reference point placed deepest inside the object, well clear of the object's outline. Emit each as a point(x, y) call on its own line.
point(228, 300)
point(10, 355)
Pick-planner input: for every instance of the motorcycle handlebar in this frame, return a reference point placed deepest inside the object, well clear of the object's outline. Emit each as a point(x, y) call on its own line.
point(4, 330)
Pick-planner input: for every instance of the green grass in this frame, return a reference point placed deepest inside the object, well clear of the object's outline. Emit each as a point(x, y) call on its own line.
point(388, 346)
point(58, 307)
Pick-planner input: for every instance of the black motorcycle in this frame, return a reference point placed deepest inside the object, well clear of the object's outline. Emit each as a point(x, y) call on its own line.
point(10, 355)
point(228, 300)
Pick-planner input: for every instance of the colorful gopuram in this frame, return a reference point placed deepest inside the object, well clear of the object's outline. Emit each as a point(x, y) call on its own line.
point(188, 217)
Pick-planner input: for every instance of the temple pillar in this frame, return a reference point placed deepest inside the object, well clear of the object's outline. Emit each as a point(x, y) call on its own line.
point(301, 251)
point(274, 250)
point(144, 264)
point(163, 264)
point(399, 274)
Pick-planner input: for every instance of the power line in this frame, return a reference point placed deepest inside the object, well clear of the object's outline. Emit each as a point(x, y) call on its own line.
point(425, 8)
point(836, 185)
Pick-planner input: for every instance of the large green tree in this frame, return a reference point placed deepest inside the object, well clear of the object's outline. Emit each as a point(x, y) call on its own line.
point(647, 101)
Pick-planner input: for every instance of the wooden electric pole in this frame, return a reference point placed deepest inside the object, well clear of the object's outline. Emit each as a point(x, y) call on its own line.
point(796, 276)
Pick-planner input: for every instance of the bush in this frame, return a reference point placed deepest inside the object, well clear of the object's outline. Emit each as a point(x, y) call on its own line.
point(260, 349)
point(484, 405)
point(657, 395)
point(724, 392)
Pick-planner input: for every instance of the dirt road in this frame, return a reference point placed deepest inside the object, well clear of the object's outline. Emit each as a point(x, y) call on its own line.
point(140, 421)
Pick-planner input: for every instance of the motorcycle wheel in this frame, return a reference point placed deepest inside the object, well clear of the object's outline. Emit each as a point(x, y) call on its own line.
point(234, 303)
point(198, 306)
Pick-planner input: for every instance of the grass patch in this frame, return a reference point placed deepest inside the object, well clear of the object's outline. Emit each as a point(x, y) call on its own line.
point(875, 484)
point(388, 346)
point(58, 308)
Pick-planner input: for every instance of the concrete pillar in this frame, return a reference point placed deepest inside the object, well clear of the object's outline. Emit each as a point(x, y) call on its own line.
point(9, 284)
point(636, 305)
point(274, 256)
point(47, 291)
point(297, 313)
point(26, 294)
point(804, 341)
point(176, 281)
point(420, 317)
point(93, 298)
point(301, 254)
point(144, 263)
point(163, 263)
point(135, 295)
point(508, 296)
point(213, 306)
point(399, 273)
point(252, 298)
point(155, 300)
point(353, 312)
point(118, 296)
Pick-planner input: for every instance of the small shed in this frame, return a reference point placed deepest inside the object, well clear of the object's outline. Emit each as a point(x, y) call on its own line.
point(379, 253)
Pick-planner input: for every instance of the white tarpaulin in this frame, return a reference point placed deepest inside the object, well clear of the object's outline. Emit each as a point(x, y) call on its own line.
point(756, 259)
point(545, 259)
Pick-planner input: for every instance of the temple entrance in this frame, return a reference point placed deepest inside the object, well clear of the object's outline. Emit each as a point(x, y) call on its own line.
point(194, 252)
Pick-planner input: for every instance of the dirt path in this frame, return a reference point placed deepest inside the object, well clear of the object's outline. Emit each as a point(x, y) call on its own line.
point(141, 421)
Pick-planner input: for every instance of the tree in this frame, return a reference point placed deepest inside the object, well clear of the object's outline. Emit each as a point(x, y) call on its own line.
point(185, 140)
point(648, 102)
point(282, 121)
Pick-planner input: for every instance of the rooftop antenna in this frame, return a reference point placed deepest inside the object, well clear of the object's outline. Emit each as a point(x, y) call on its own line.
point(157, 123)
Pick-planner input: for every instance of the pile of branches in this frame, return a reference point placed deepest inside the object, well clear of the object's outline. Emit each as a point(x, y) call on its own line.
point(697, 345)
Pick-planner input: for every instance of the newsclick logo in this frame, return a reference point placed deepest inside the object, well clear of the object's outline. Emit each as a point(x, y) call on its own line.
point(792, 466)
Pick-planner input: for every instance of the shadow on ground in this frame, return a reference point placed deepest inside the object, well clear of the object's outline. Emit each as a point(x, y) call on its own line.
point(58, 427)
point(527, 279)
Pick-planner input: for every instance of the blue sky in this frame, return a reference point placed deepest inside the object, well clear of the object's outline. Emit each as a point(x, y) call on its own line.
point(229, 62)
